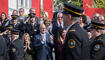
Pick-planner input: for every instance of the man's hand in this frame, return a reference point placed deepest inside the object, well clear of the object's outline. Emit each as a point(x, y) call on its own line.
point(51, 38)
point(58, 23)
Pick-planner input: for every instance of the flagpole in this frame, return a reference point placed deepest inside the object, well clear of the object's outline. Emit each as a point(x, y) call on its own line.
point(41, 7)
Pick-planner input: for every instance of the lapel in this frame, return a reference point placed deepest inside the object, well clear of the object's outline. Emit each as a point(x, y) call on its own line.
point(40, 37)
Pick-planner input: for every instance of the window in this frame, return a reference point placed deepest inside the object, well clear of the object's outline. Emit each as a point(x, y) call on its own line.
point(19, 3)
point(16, 4)
point(27, 4)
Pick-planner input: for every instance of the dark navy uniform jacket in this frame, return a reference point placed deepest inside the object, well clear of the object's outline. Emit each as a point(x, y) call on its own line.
point(3, 49)
point(76, 46)
point(16, 50)
point(98, 48)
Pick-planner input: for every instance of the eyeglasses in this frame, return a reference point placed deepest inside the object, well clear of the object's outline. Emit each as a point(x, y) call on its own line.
point(59, 17)
point(102, 20)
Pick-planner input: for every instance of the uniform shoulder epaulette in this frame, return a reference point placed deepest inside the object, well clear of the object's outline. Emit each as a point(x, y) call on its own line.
point(73, 30)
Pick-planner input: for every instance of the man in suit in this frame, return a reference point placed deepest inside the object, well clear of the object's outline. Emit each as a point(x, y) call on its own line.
point(42, 43)
point(16, 46)
point(58, 25)
point(59, 22)
point(54, 19)
point(76, 45)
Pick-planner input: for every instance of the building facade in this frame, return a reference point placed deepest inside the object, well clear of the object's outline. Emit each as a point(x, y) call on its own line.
point(16, 4)
point(9, 5)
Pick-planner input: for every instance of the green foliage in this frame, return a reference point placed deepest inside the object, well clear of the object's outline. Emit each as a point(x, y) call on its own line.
point(96, 3)
point(99, 3)
point(74, 2)
point(77, 3)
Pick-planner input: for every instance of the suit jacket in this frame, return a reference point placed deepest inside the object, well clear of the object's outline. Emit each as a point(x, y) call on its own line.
point(76, 46)
point(56, 30)
point(43, 50)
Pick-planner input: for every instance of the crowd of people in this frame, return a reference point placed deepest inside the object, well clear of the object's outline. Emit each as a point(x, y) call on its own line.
point(32, 38)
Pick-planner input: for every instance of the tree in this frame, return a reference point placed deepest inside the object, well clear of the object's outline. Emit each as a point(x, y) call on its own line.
point(98, 3)
point(57, 3)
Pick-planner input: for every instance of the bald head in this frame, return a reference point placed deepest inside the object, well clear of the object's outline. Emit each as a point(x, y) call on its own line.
point(43, 29)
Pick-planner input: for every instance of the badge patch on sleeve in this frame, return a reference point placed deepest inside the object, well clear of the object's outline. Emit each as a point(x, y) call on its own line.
point(97, 47)
point(13, 50)
point(71, 43)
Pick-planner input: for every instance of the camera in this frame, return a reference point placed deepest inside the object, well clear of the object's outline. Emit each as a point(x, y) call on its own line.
point(31, 15)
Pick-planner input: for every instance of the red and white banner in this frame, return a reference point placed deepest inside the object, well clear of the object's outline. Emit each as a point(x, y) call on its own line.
point(47, 6)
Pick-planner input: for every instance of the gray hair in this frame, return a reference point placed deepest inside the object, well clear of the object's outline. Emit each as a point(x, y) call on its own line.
point(59, 13)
